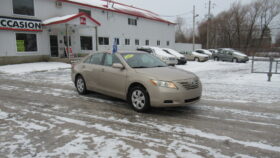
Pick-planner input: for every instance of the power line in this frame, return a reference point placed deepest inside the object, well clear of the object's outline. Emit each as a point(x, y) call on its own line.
point(185, 13)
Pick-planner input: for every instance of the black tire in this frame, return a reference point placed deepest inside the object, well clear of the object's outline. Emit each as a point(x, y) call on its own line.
point(81, 85)
point(139, 99)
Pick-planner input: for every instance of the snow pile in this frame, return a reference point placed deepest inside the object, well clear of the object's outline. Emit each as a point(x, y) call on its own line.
point(33, 67)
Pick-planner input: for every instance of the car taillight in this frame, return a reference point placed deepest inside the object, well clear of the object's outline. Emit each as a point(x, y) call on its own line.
point(73, 66)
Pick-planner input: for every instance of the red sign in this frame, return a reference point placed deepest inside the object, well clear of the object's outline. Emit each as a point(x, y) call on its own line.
point(83, 20)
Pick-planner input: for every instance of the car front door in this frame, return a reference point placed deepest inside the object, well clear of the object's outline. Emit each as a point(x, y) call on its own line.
point(228, 55)
point(113, 80)
point(222, 55)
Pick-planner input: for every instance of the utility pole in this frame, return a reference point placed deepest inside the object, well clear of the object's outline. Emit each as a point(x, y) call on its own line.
point(194, 16)
point(208, 24)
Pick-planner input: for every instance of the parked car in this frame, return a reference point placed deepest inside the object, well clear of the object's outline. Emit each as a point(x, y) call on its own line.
point(195, 56)
point(181, 58)
point(213, 51)
point(138, 77)
point(158, 52)
point(230, 55)
point(204, 51)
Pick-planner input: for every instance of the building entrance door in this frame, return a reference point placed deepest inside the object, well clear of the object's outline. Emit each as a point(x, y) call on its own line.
point(54, 45)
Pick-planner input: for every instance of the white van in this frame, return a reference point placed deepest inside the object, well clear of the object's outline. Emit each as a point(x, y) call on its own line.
point(181, 58)
point(158, 52)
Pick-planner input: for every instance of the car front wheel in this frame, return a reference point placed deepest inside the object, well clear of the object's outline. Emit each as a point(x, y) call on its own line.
point(139, 99)
point(81, 85)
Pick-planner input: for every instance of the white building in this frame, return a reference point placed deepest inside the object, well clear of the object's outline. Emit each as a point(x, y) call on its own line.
point(33, 29)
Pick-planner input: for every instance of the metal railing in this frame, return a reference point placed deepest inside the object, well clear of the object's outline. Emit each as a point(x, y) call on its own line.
point(272, 61)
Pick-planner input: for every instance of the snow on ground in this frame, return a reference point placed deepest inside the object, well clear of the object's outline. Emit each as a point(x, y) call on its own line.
point(33, 67)
point(234, 82)
point(60, 123)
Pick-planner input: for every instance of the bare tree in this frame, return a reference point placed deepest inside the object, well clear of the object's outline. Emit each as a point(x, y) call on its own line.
point(269, 10)
point(179, 34)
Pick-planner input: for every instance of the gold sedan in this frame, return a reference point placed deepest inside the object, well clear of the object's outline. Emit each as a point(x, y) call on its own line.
point(138, 77)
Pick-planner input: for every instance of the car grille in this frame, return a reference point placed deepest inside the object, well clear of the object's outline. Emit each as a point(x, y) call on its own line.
point(172, 58)
point(182, 58)
point(190, 84)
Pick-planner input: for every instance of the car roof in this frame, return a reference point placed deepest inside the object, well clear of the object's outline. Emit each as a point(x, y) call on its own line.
point(119, 52)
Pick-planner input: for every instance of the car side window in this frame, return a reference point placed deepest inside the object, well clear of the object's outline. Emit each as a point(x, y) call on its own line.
point(88, 59)
point(110, 59)
point(96, 58)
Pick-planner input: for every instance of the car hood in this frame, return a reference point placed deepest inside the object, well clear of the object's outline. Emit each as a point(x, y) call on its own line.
point(166, 73)
point(240, 54)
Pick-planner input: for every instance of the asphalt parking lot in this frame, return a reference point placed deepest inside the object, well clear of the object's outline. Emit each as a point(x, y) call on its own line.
point(42, 115)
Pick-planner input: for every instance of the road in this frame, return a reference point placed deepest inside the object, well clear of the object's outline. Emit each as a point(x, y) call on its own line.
point(41, 115)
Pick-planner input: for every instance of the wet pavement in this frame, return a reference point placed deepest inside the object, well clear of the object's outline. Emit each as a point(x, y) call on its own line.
point(42, 115)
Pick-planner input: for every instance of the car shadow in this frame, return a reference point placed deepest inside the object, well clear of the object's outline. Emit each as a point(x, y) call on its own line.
point(189, 110)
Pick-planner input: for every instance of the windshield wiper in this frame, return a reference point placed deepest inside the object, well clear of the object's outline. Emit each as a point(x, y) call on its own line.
point(159, 66)
point(140, 67)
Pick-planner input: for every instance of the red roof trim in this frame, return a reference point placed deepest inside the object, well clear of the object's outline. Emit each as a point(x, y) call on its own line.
point(16, 29)
point(74, 17)
point(119, 11)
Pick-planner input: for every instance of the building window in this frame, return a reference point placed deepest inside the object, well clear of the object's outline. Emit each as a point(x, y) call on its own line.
point(137, 42)
point(158, 42)
point(86, 43)
point(88, 12)
point(127, 41)
point(26, 42)
point(132, 21)
point(117, 40)
point(103, 41)
point(23, 7)
point(147, 42)
point(167, 43)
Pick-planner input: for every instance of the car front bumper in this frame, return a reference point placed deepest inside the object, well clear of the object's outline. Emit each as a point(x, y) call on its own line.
point(167, 97)
point(171, 62)
point(243, 60)
point(182, 61)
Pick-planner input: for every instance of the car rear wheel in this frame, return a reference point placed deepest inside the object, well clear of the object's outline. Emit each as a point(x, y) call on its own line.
point(234, 60)
point(139, 99)
point(81, 85)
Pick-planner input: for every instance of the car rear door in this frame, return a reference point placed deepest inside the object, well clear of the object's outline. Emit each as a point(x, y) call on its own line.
point(113, 80)
point(92, 70)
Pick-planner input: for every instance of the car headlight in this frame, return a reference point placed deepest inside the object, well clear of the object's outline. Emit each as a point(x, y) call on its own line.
point(166, 84)
point(164, 58)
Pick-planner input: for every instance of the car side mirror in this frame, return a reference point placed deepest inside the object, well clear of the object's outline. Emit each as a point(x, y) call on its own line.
point(118, 66)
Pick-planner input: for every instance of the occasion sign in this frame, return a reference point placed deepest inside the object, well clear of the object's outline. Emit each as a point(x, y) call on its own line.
point(10, 23)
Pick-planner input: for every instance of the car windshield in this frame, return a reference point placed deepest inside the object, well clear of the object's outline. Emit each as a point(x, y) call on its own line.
point(142, 60)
